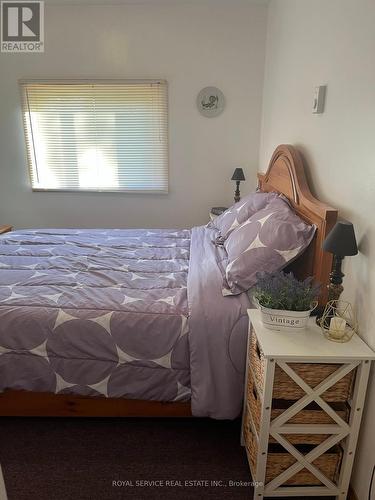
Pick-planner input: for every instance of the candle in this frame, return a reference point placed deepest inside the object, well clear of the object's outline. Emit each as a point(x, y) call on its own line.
point(337, 327)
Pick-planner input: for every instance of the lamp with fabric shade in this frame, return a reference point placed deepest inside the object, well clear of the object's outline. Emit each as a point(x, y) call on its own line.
point(341, 242)
point(237, 176)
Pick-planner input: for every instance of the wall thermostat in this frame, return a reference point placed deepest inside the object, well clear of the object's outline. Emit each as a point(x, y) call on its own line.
point(319, 99)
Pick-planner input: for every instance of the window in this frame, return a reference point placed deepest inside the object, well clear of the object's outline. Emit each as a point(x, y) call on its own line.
point(97, 136)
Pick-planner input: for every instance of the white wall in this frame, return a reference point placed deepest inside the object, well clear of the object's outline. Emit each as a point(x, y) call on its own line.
point(191, 46)
point(314, 42)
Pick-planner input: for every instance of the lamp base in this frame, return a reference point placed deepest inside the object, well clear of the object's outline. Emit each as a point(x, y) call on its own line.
point(237, 195)
point(335, 287)
point(334, 291)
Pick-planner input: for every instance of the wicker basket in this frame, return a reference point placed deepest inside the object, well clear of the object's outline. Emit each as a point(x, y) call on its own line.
point(278, 460)
point(312, 373)
point(249, 439)
point(311, 414)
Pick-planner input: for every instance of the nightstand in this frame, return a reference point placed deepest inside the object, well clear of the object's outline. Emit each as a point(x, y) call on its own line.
point(5, 229)
point(304, 399)
point(216, 211)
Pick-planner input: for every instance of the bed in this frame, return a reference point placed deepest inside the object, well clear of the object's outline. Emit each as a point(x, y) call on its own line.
point(133, 322)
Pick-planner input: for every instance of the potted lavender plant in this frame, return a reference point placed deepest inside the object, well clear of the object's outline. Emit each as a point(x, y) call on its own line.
point(284, 301)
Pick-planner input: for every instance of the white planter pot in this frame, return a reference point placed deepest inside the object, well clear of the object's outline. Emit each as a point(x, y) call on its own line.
point(279, 319)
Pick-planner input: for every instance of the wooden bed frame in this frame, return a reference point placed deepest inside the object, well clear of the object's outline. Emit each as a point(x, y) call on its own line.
point(285, 175)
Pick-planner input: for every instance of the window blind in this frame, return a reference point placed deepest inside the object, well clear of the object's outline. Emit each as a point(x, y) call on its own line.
point(97, 136)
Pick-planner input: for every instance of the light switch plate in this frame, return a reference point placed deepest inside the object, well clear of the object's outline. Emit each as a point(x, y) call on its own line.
point(319, 99)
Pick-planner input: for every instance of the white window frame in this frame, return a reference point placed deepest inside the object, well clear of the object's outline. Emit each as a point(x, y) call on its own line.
point(31, 159)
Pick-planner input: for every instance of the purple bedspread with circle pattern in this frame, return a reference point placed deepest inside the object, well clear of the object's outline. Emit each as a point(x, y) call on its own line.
point(106, 313)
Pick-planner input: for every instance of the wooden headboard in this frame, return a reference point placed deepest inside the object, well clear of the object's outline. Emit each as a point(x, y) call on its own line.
point(286, 175)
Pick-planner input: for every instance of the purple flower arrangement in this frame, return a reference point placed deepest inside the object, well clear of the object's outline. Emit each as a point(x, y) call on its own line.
point(283, 291)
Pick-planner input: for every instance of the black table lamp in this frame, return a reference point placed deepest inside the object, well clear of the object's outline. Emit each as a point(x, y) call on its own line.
point(237, 176)
point(342, 243)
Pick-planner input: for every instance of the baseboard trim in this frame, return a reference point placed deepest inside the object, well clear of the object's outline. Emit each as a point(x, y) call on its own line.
point(352, 494)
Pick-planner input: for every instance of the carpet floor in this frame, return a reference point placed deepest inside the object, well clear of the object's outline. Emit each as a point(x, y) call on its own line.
point(105, 459)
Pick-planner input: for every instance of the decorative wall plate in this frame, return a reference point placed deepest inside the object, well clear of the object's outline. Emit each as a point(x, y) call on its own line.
point(211, 102)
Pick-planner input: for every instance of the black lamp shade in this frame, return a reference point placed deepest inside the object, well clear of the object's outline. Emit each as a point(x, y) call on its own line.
point(341, 240)
point(238, 175)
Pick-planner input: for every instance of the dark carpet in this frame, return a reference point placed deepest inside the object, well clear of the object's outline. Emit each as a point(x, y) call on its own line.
point(105, 459)
point(53, 459)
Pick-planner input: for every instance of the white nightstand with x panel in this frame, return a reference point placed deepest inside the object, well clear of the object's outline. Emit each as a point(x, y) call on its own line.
point(304, 400)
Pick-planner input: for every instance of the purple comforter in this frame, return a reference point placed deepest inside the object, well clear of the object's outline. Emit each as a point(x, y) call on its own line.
point(121, 313)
